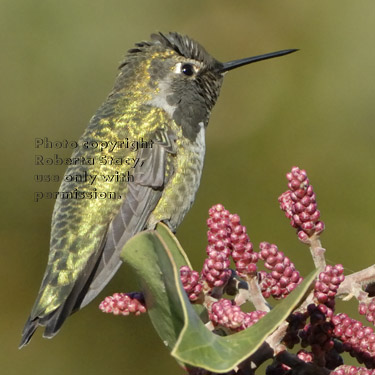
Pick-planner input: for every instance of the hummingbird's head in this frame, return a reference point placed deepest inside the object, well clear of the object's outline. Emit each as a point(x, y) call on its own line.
point(181, 77)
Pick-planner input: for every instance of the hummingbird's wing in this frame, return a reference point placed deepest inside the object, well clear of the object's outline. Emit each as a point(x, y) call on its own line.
point(141, 199)
point(151, 174)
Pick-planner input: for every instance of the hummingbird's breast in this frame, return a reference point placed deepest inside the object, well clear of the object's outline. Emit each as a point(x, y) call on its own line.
point(179, 193)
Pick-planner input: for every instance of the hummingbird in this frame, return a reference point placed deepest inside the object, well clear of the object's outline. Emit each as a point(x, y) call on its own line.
point(163, 94)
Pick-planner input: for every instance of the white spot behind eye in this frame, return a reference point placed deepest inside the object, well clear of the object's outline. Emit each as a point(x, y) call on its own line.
point(178, 67)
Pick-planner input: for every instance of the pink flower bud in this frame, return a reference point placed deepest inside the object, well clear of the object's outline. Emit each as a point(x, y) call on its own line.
point(299, 205)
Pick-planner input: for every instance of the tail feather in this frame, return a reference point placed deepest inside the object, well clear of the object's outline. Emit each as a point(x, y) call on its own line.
point(57, 318)
point(54, 320)
point(28, 331)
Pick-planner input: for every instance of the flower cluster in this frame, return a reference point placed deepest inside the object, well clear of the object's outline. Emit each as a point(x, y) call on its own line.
point(227, 315)
point(328, 283)
point(191, 282)
point(322, 335)
point(283, 277)
point(305, 356)
point(299, 205)
point(227, 237)
point(216, 266)
point(318, 333)
point(368, 309)
point(358, 340)
point(253, 317)
point(242, 249)
point(352, 370)
point(124, 304)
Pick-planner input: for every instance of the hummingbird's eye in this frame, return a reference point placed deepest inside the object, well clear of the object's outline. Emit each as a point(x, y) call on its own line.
point(188, 69)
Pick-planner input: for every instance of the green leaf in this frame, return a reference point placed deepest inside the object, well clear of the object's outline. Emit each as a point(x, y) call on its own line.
point(149, 256)
point(198, 347)
point(177, 252)
point(156, 257)
point(180, 259)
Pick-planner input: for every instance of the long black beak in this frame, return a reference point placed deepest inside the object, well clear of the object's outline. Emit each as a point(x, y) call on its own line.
point(248, 60)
